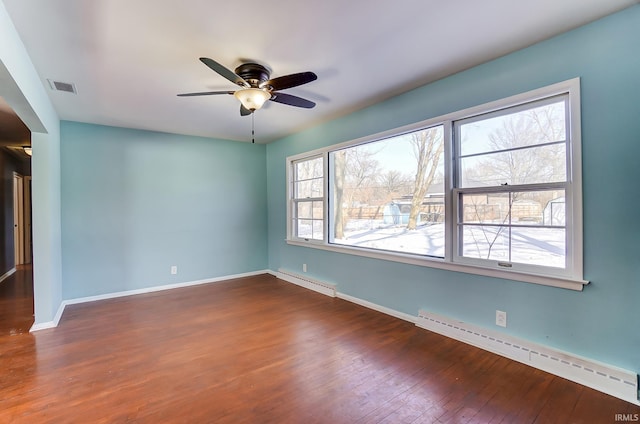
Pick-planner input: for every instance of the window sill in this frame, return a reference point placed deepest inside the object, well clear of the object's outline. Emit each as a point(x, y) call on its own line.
point(545, 280)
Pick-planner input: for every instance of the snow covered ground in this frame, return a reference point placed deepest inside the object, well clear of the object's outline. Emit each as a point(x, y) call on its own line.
point(540, 246)
point(425, 240)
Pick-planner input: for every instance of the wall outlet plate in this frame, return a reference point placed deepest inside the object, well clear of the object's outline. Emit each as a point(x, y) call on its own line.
point(174, 269)
point(501, 318)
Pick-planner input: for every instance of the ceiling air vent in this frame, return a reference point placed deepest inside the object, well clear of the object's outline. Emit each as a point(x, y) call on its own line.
point(62, 86)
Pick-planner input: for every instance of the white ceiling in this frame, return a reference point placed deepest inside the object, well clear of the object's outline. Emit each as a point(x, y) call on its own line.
point(128, 59)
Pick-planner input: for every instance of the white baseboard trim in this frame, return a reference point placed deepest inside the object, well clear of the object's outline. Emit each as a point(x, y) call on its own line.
point(160, 288)
point(65, 303)
point(7, 274)
point(378, 308)
point(330, 290)
point(307, 282)
point(50, 324)
point(605, 378)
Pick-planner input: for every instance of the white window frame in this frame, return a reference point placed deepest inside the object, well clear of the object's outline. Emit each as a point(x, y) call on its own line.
point(293, 201)
point(569, 278)
point(458, 191)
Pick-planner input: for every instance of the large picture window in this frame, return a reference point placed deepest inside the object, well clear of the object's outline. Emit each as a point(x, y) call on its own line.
point(492, 190)
point(389, 194)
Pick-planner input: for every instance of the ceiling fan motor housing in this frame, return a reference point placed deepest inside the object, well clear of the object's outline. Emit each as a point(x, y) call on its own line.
point(255, 74)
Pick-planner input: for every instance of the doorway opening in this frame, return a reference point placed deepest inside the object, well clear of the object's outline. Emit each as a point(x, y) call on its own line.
point(16, 289)
point(22, 219)
point(16, 271)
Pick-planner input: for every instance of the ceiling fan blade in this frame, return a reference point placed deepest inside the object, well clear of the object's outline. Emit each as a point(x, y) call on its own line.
point(288, 81)
point(290, 100)
point(244, 111)
point(227, 73)
point(204, 93)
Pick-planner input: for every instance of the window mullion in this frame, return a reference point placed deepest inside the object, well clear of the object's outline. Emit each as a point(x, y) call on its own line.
point(509, 228)
point(450, 227)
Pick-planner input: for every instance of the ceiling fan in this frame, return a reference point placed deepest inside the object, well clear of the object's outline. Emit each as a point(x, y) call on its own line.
point(256, 87)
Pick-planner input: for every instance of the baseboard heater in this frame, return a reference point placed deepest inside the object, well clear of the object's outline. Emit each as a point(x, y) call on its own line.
point(307, 282)
point(605, 378)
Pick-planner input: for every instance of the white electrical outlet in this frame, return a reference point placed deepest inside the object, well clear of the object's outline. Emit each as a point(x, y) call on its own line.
point(501, 318)
point(174, 269)
point(304, 267)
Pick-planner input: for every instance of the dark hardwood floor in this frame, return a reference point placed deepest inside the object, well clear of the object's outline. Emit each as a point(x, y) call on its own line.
point(260, 350)
point(16, 302)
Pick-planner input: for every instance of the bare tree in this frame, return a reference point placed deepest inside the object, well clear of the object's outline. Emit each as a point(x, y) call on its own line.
point(427, 148)
point(481, 213)
point(355, 179)
point(543, 129)
point(393, 183)
point(531, 128)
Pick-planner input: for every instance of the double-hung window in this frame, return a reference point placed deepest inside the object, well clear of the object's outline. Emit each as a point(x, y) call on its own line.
point(492, 190)
point(511, 185)
point(307, 199)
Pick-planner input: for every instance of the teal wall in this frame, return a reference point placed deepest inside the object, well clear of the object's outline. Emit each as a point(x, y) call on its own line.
point(21, 87)
point(134, 203)
point(599, 323)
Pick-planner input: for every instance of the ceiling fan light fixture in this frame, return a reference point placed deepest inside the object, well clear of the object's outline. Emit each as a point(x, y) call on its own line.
point(252, 98)
point(27, 150)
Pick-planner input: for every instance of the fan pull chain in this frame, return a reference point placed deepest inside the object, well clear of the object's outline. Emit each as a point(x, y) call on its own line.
point(253, 140)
